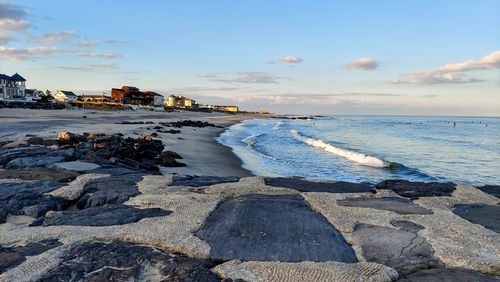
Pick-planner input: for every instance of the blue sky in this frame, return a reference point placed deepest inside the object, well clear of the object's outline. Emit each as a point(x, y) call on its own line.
point(328, 57)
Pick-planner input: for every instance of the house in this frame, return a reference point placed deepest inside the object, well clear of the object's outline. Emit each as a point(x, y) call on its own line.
point(65, 96)
point(154, 99)
point(180, 102)
point(232, 109)
point(12, 87)
point(33, 95)
point(95, 98)
point(132, 95)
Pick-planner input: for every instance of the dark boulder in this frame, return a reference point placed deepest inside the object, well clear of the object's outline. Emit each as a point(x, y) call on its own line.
point(395, 204)
point(168, 159)
point(303, 185)
point(482, 214)
point(198, 181)
point(11, 257)
point(414, 190)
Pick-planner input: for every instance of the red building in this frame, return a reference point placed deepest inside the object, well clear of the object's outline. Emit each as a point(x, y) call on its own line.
point(132, 95)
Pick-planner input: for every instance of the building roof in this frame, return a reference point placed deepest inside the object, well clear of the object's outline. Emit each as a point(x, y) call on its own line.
point(18, 77)
point(68, 93)
point(4, 76)
point(151, 93)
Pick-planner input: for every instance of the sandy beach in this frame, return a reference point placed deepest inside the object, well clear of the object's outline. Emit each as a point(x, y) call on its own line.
point(203, 154)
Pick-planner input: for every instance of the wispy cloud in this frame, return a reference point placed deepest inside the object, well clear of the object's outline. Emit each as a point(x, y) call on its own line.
point(115, 41)
point(245, 77)
point(85, 67)
point(11, 21)
point(53, 37)
point(13, 54)
point(193, 89)
point(88, 43)
point(365, 63)
point(291, 59)
point(453, 73)
point(109, 55)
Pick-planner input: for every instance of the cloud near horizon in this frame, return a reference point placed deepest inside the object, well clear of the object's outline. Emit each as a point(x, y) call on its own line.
point(245, 77)
point(454, 72)
point(14, 54)
point(365, 63)
point(53, 37)
point(287, 59)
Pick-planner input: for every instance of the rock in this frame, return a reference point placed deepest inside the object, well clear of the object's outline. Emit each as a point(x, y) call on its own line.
point(11, 257)
point(32, 151)
point(168, 159)
point(145, 137)
point(101, 216)
point(18, 195)
point(407, 225)
point(33, 162)
point(130, 122)
point(491, 189)
point(35, 140)
point(305, 271)
point(70, 154)
point(198, 181)
point(76, 166)
point(442, 275)
point(404, 251)
point(67, 137)
point(192, 123)
point(98, 261)
point(15, 144)
point(482, 214)
point(272, 228)
point(39, 173)
point(395, 204)
point(109, 190)
point(313, 186)
point(154, 134)
point(414, 190)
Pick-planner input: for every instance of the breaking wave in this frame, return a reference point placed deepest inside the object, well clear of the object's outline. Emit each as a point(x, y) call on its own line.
point(350, 155)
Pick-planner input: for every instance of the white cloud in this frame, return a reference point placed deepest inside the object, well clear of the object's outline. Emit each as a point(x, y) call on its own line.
point(109, 55)
point(365, 63)
point(8, 53)
point(8, 25)
point(453, 73)
point(11, 20)
point(53, 37)
point(11, 11)
point(291, 59)
point(246, 77)
point(88, 43)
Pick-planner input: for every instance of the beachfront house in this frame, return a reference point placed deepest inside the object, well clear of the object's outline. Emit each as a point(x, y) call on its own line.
point(232, 109)
point(65, 96)
point(154, 99)
point(33, 95)
point(180, 102)
point(12, 87)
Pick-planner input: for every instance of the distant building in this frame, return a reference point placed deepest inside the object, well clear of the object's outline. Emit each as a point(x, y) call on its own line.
point(12, 87)
point(180, 102)
point(157, 99)
point(232, 109)
point(95, 98)
point(133, 96)
point(33, 95)
point(64, 96)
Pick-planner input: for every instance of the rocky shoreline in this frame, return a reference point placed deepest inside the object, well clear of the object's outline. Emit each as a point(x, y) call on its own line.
point(95, 206)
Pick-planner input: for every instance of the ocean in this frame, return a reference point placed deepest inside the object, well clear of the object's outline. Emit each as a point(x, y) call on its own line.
point(371, 148)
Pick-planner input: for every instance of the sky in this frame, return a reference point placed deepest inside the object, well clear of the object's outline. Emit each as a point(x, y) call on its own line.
point(425, 57)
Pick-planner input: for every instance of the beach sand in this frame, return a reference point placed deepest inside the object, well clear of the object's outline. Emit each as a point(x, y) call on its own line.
point(198, 147)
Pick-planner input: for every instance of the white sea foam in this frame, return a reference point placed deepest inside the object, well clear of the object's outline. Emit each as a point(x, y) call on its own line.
point(278, 124)
point(350, 155)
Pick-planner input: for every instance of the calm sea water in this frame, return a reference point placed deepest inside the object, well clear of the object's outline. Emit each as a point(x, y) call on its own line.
point(371, 148)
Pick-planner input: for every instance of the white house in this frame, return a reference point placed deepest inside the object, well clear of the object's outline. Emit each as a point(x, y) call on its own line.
point(33, 95)
point(12, 87)
point(64, 96)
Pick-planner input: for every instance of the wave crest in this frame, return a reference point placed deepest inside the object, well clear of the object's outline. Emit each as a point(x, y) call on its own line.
point(350, 155)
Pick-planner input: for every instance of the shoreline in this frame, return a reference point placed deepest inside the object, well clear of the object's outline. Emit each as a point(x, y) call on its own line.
point(202, 153)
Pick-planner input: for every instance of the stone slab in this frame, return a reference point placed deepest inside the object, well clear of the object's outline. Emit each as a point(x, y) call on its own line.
point(452, 275)
point(203, 180)
point(313, 186)
point(395, 204)
point(482, 214)
point(272, 228)
point(414, 190)
point(76, 166)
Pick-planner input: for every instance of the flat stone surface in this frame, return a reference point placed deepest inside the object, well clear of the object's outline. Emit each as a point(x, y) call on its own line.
point(39, 173)
point(198, 181)
point(272, 228)
point(109, 190)
point(407, 225)
point(395, 204)
point(101, 216)
point(97, 261)
point(414, 190)
point(452, 275)
point(491, 189)
point(404, 251)
point(76, 166)
point(312, 186)
point(11, 257)
point(25, 197)
point(305, 271)
point(33, 162)
point(485, 215)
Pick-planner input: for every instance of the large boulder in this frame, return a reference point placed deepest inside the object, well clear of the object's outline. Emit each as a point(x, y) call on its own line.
point(414, 190)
